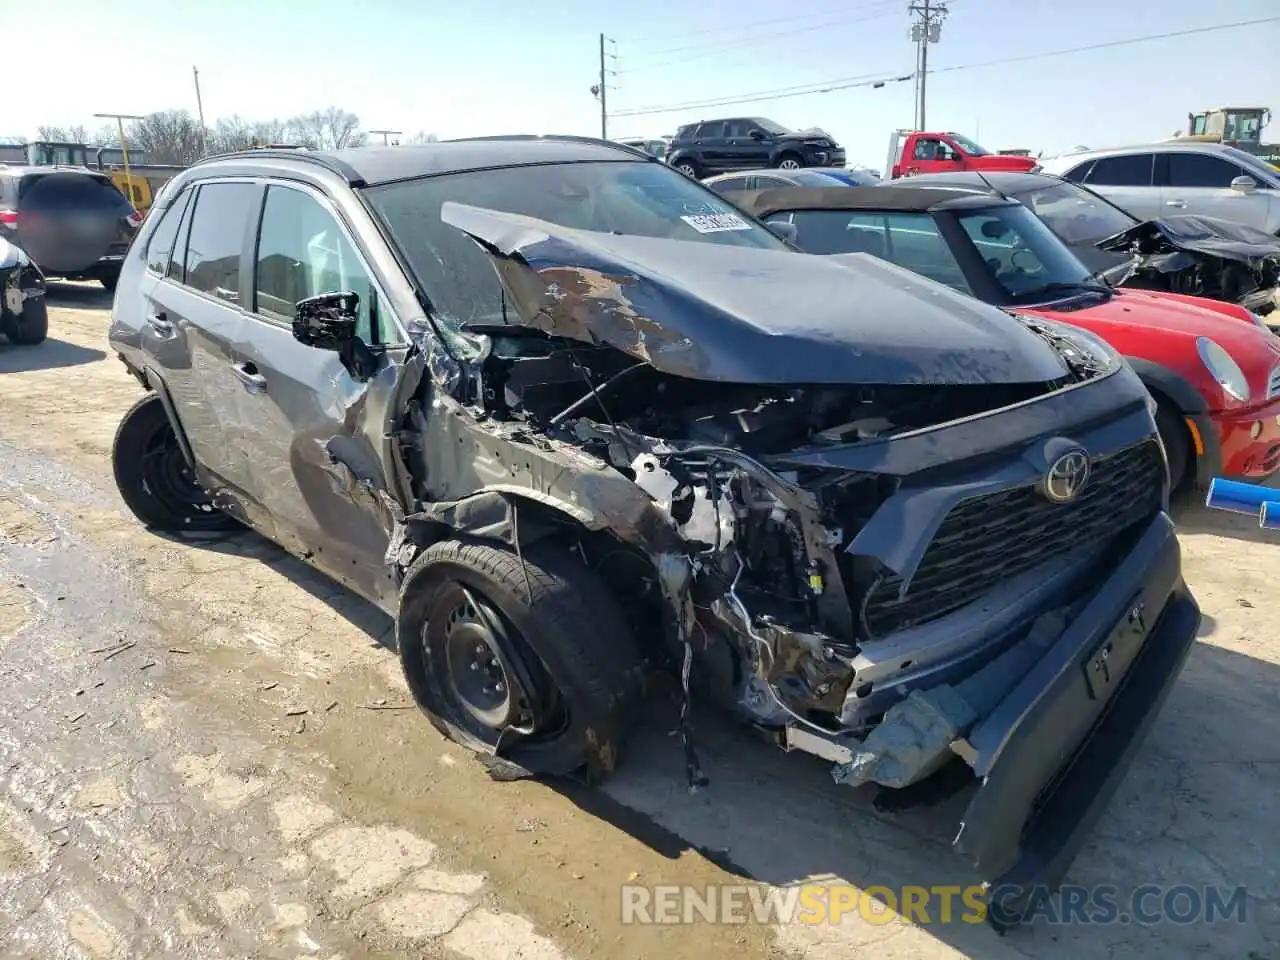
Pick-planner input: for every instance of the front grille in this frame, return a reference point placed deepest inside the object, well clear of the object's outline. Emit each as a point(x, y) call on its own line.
point(986, 540)
point(1273, 385)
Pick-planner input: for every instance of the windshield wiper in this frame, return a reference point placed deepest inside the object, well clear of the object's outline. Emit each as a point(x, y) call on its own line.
point(1092, 282)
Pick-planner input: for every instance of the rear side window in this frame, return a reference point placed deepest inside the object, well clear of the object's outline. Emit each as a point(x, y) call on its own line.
point(711, 130)
point(161, 244)
point(1201, 170)
point(72, 192)
point(217, 237)
point(1133, 170)
point(1077, 174)
point(730, 185)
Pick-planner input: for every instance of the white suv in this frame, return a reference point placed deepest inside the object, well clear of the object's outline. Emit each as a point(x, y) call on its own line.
point(1167, 179)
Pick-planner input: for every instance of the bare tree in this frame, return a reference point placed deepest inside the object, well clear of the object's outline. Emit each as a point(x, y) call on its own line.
point(107, 136)
point(231, 134)
point(423, 137)
point(15, 139)
point(77, 133)
point(329, 129)
point(168, 136)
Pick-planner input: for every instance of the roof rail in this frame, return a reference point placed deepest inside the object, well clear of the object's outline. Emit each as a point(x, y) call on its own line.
point(329, 162)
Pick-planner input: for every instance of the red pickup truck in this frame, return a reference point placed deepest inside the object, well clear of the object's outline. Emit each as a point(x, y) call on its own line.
point(912, 152)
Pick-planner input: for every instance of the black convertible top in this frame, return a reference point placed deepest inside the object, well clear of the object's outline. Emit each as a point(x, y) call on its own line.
point(761, 203)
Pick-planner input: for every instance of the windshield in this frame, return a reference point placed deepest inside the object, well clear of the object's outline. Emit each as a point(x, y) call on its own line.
point(968, 146)
point(1022, 254)
point(1076, 215)
point(768, 126)
point(643, 199)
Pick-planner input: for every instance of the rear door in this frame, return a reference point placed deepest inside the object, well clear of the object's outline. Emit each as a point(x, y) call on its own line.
point(1200, 184)
point(1127, 180)
point(195, 324)
point(310, 411)
point(72, 222)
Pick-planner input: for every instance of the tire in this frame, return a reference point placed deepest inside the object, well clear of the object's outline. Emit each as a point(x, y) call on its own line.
point(31, 326)
point(790, 161)
point(572, 672)
point(688, 168)
point(153, 478)
point(1177, 444)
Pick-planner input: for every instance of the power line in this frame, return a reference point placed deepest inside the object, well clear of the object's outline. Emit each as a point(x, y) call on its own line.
point(845, 83)
point(753, 23)
point(769, 37)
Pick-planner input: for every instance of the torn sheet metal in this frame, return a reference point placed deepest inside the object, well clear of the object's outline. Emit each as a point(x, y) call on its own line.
point(737, 314)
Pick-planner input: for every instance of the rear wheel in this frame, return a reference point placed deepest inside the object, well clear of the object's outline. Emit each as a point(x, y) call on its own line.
point(154, 478)
point(29, 327)
point(1177, 443)
point(528, 659)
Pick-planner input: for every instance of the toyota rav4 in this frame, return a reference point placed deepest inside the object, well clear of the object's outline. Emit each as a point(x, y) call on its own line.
point(568, 416)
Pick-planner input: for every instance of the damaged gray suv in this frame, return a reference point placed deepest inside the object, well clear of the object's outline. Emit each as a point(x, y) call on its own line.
point(570, 417)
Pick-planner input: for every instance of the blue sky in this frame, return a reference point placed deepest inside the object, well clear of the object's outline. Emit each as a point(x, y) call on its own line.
point(460, 69)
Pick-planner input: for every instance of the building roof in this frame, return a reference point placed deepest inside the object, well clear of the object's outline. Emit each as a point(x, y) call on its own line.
point(367, 166)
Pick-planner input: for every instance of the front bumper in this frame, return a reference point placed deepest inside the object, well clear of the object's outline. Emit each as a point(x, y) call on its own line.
point(829, 157)
point(1051, 755)
point(1248, 440)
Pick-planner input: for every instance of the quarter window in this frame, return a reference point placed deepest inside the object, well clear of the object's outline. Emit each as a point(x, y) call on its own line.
point(302, 252)
point(1133, 170)
point(1200, 170)
point(217, 238)
point(166, 231)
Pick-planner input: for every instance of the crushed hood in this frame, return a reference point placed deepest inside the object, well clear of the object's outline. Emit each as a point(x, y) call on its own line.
point(745, 315)
point(1209, 235)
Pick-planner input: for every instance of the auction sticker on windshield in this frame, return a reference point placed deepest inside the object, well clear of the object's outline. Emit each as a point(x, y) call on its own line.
point(716, 222)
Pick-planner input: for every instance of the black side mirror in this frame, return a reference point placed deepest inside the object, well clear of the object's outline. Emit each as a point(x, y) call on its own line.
point(327, 321)
point(756, 134)
point(957, 157)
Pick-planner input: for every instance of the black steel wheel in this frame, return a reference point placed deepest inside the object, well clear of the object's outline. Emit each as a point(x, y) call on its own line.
point(527, 658)
point(154, 478)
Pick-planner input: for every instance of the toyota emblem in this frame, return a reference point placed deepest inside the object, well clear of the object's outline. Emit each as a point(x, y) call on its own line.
point(1067, 476)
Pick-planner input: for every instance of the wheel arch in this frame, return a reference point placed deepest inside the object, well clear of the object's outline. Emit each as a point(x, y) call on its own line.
point(155, 383)
point(1168, 386)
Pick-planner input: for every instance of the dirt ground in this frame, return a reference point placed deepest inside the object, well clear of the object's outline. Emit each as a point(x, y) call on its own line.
point(206, 750)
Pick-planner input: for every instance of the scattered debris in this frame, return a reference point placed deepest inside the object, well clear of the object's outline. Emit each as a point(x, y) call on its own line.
point(295, 712)
point(1243, 602)
point(149, 663)
point(302, 725)
point(80, 692)
point(128, 645)
point(383, 705)
point(269, 685)
point(78, 717)
point(331, 706)
point(178, 650)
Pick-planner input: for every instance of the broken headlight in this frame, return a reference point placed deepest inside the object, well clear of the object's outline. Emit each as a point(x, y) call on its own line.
point(1223, 369)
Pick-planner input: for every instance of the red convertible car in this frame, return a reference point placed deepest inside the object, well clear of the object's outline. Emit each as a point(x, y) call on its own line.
point(1212, 367)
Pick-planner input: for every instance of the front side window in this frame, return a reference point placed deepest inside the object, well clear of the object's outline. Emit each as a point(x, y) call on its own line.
point(1076, 215)
point(216, 239)
point(928, 148)
point(1201, 170)
point(769, 127)
point(302, 251)
point(1133, 170)
point(1022, 254)
point(161, 244)
point(630, 198)
point(738, 128)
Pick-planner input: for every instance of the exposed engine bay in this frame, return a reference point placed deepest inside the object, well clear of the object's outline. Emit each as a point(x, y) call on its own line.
point(754, 590)
point(1202, 257)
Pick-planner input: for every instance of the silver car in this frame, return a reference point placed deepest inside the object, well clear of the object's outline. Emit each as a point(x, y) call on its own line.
point(1157, 180)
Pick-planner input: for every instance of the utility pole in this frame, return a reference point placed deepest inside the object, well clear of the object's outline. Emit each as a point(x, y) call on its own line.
point(601, 90)
point(120, 118)
point(386, 134)
point(926, 30)
point(204, 147)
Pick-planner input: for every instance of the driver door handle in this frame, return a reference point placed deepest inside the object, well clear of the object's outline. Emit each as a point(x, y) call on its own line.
point(159, 322)
point(247, 373)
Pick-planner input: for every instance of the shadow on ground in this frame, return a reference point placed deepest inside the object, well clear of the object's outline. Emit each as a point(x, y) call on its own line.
point(78, 296)
point(1196, 809)
point(49, 355)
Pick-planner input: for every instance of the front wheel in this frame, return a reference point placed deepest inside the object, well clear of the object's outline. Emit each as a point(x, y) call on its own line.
point(31, 326)
point(789, 161)
point(153, 476)
point(1177, 444)
point(688, 168)
point(528, 658)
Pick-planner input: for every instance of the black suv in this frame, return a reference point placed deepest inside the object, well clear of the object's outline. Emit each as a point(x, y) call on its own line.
point(567, 415)
point(74, 223)
point(749, 143)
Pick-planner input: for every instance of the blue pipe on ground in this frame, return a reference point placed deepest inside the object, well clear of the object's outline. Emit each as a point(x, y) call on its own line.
point(1240, 497)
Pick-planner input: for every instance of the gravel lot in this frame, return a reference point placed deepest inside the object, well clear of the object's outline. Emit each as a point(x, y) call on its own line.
point(206, 750)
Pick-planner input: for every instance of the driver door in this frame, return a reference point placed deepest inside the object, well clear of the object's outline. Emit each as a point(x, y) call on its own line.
point(317, 432)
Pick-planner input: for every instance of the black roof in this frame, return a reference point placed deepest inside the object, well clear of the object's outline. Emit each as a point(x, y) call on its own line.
point(366, 166)
point(890, 197)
